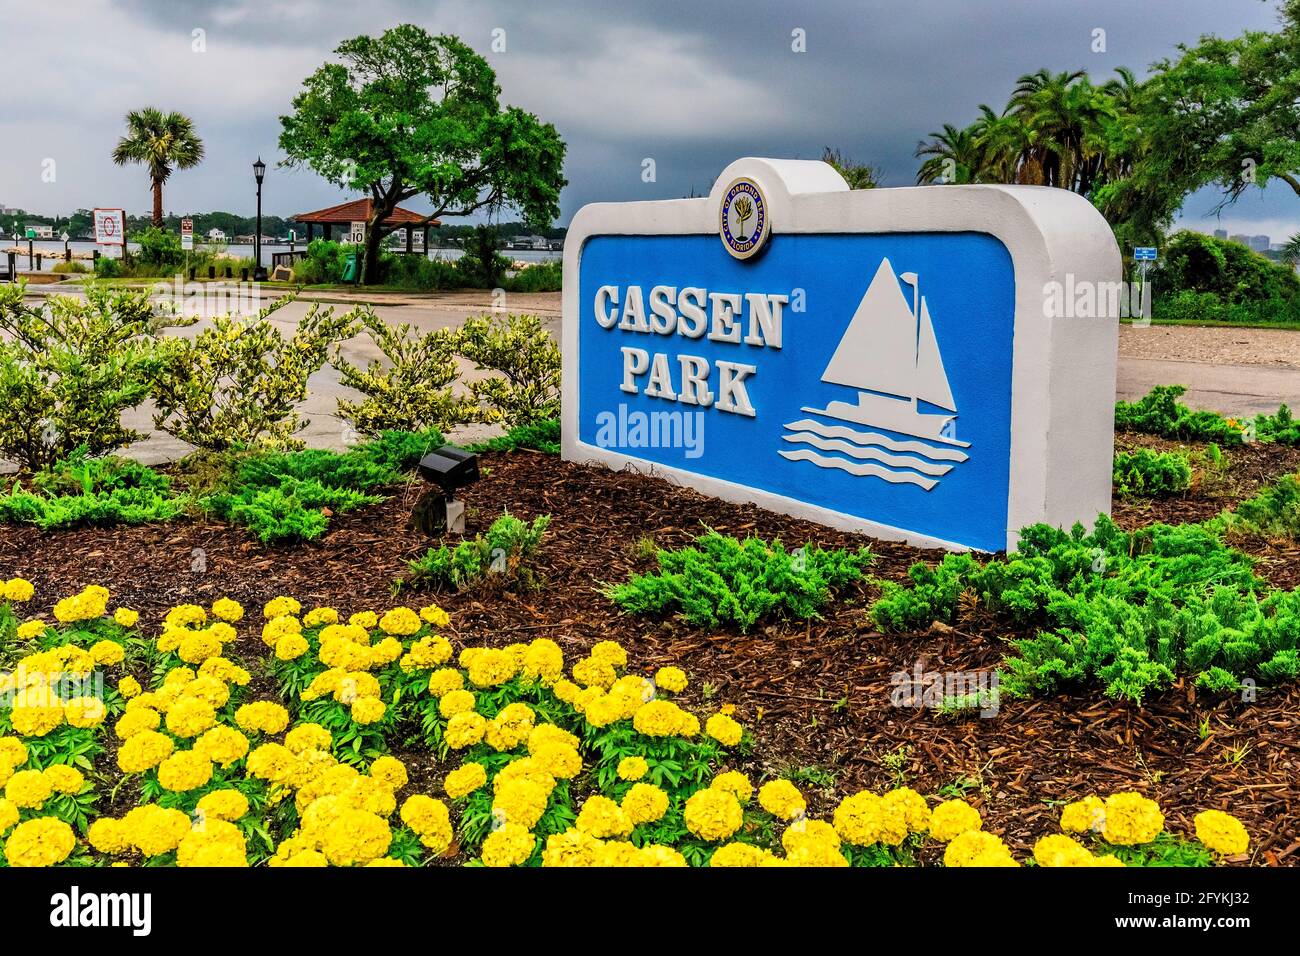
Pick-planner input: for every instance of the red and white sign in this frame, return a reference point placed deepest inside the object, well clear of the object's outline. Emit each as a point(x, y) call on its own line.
point(187, 234)
point(110, 227)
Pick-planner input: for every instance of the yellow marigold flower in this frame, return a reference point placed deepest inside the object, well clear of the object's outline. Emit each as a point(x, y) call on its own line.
point(13, 750)
point(632, 768)
point(559, 760)
point(225, 609)
point(222, 745)
point(356, 837)
point(1221, 832)
point(1059, 850)
point(107, 653)
point(739, 855)
point(153, 830)
point(35, 715)
point(465, 730)
point(909, 806)
point(18, 590)
point(320, 616)
point(216, 843)
point(281, 627)
point(44, 841)
point(952, 818)
point(223, 632)
point(735, 783)
point(611, 652)
point(456, 702)
point(225, 671)
point(571, 848)
point(143, 750)
point(521, 800)
point(128, 687)
point(125, 617)
point(858, 818)
point(280, 607)
point(566, 691)
point(509, 845)
point(29, 630)
point(465, 779)
point(659, 718)
point(713, 814)
point(64, 779)
point(443, 682)
point(223, 805)
point(656, 854)
point(602, 817)
point(435, 615)
point(427, 652)
point(184, 770)
point(1083, 815)
point(1132, 819)
point(308, 736)
point(368, 710)
point(184, 616)
point(782, 799)
point(84, 711)
point(425, 814)
point(644, 803)
point(190, 716)
point(543, 661)
point(108, 835)
point(671, 679)
point(390, 771)
point(593, 672)
point(977, 848)
point(487, 666)
point(263, 715)
point(724, 730)
point(28, 789)
point(400, 622)
point(197, 647)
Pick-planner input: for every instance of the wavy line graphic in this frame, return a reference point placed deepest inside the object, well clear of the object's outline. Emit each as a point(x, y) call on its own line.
point(875, 438)
point(857, 451)
point(855, 468)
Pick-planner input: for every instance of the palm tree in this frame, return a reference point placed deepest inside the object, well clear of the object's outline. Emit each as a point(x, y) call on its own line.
point(954, 157)
point(163, 142)
point(1291, 251)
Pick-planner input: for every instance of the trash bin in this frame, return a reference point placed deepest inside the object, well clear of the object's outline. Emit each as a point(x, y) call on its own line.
point(350, 267)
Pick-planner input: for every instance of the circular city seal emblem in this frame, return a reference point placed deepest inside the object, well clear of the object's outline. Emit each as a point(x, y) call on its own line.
point(743, 222)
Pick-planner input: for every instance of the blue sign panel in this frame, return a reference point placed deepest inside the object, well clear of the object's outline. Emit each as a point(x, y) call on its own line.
point(1145, 252)
point(869, 375)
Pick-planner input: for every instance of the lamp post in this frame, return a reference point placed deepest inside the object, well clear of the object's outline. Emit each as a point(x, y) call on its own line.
point(259, 172)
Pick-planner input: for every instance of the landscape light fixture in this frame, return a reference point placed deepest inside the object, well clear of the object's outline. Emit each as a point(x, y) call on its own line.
point(259, 173)
point(449, 468)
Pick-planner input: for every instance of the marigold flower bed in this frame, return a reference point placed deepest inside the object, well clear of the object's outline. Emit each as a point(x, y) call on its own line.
point(542, 760)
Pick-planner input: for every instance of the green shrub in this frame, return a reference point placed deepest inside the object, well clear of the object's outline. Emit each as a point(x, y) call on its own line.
point(71, 267)
point(68, 369)
point(158, 247)
point(323, 262)
point(1233, 273)
point(1160, 413)
point(541, 436)
point(526, 388)
point(80, 490)
point(504, 550)
point(541, 277)
point(1130, 610)
point(108, 268)
point(720, 579)
point(282, 496)
point(238, 382)
point(412, 389)
point(420, 272)
point(1151, 473)
point(1273, 513)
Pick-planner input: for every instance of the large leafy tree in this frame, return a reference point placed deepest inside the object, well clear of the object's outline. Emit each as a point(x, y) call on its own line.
point(162, 143)
point(407, 114)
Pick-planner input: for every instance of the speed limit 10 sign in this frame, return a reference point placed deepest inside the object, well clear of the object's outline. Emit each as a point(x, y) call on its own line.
point(356, 234)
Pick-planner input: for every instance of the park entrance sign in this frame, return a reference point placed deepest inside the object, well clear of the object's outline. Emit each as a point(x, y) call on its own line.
point(883, 360)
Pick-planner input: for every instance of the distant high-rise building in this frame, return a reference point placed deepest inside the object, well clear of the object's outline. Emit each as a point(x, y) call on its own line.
point(1259, 243)
point(1220, 234)
point(1238, 237)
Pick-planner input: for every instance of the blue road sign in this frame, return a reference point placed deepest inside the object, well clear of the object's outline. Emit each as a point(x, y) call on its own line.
point(1145, 252)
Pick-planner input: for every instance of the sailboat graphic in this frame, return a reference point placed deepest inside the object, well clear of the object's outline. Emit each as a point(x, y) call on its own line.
point(889, 353)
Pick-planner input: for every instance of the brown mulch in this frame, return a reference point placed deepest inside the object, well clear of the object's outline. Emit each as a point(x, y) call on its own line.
point(816, 695)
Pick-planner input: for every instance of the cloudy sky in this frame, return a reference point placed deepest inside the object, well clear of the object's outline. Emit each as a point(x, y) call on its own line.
point(691, 84)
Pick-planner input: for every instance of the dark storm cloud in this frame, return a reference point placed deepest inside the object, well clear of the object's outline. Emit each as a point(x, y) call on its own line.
point(691, 85)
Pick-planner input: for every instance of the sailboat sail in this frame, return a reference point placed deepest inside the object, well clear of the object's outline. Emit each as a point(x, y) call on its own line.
point(878, 351)
point(931, 382)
